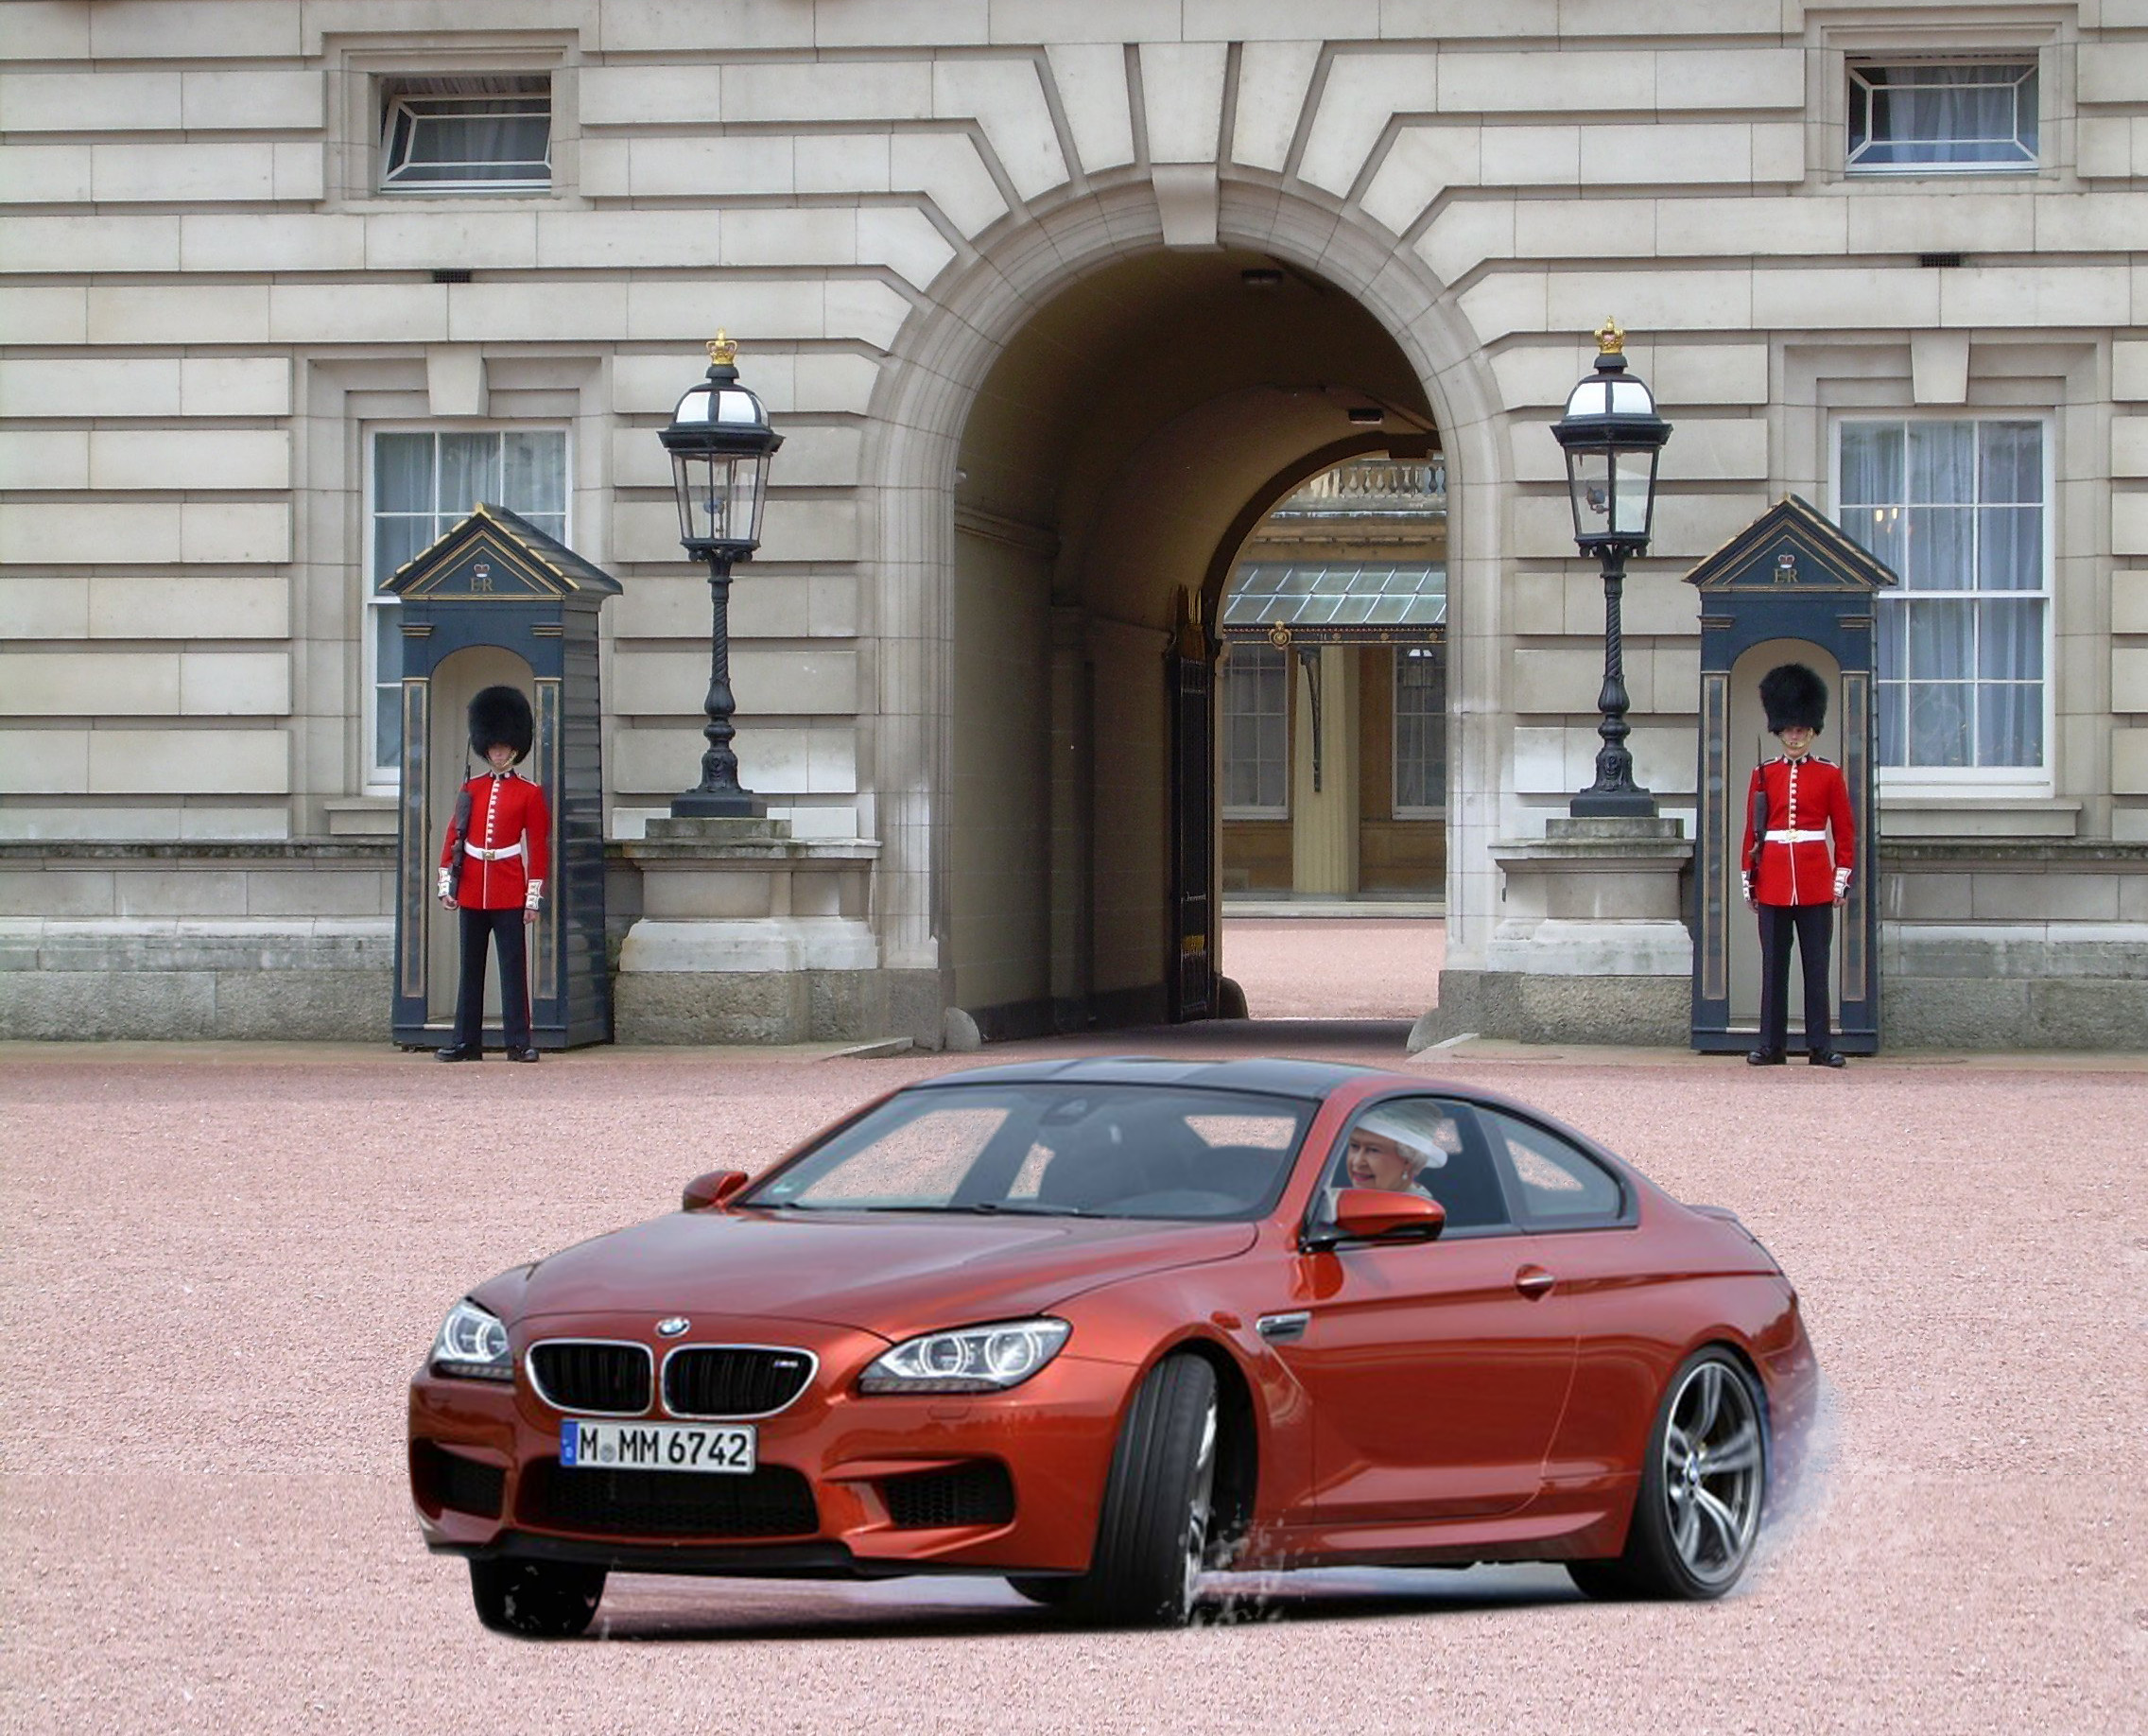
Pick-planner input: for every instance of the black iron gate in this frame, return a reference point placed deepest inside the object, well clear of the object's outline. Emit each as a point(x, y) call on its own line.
point(1192, 695)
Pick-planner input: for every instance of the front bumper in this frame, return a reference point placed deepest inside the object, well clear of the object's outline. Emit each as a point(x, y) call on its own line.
point(850, 1486)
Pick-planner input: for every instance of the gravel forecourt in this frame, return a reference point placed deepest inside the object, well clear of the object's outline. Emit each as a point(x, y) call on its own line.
point(219, 1265)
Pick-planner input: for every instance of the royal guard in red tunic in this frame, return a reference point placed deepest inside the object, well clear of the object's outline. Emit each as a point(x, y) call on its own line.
point(493, 870)
point(1792, 877)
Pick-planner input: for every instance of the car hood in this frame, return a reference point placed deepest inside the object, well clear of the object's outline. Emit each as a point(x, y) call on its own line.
point(892, 1274)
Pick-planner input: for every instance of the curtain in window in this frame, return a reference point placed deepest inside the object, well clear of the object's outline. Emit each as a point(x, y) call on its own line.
point(1420, 727)
point(1956, 509)
point(1939, 114)
point(425, 484)
point(1256, 697)
point(444, 133)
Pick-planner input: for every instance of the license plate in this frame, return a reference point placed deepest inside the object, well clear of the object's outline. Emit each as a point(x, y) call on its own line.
point(686, 1446)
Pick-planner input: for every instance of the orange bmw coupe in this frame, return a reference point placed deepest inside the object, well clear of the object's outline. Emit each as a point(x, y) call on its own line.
point(1098, 1326)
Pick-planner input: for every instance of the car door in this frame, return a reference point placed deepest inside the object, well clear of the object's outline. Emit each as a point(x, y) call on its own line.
point(1436, 1370)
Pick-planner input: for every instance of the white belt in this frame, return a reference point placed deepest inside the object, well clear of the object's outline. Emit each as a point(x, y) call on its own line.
point(1797, 837)
point(515, 849)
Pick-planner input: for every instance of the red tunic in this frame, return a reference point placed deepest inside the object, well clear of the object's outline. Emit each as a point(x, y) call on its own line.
point(1806, 796)
point(511, 845)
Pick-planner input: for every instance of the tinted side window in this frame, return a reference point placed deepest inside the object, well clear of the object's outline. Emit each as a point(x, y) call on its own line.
point(1558, 1185)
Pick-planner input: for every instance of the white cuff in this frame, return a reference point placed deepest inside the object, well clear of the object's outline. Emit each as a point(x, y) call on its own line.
point(1747, 879)
point(1842, 881)
point(534, 899)
point(447, 882)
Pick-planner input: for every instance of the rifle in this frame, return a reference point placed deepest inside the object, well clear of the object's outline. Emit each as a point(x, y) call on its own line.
point(1759, 829)
point(459, 827)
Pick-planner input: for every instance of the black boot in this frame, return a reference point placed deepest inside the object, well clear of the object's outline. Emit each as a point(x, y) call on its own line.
point(523, 1053)
point(1825, 1057)
point(1765, 1058)
point(460, 1051)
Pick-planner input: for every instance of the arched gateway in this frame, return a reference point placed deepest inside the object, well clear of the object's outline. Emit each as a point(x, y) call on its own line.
point(1072, 440)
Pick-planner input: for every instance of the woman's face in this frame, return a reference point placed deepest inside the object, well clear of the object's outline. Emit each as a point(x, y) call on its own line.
point(1374, 1160)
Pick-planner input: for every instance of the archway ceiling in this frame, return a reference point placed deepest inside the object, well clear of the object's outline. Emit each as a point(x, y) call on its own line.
point(1136, 414)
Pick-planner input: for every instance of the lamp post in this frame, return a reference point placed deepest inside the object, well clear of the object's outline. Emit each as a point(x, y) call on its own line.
point(1612, 438)
point(720, 444)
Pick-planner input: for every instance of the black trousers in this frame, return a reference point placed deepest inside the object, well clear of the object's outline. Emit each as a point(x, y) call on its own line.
point(1814, 926)
point(504, 930)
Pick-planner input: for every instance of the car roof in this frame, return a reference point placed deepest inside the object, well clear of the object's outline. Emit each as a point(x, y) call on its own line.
point(1312, 1080)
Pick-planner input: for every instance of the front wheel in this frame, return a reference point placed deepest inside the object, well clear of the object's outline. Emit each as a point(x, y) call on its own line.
point(1697, 1514)
point(536, 1600)
point(1153, 1538)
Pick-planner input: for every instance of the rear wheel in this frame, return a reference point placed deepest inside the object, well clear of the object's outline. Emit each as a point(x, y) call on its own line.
point(1159, 1505)
point(537, 1600)
point(1702, 1487)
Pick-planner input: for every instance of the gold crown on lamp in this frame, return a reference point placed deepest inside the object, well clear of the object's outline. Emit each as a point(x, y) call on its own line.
point(1610, 337)
point(722, 350)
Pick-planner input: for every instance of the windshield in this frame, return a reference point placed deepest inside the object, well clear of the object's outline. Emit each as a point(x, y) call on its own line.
point(1053, 1150)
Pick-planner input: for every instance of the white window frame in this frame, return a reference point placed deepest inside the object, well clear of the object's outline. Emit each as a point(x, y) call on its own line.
point(396, 102)
point(1252, 811)
point(1400, 809)
point(385, 780)
point(2000, 783)
point(1855, 64)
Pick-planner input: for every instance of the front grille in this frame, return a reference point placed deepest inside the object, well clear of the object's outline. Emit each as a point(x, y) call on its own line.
point(974, 1494)
point(447, 1479)
point(772, 1501)
point(733, 1379)
point(572, 1375)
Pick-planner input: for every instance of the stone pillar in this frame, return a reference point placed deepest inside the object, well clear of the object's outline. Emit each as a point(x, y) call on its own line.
point(749, 936)
point(1323, 823)
point(1591, 944)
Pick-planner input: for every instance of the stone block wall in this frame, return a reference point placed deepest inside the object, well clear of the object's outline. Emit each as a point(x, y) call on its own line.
point(207, 307)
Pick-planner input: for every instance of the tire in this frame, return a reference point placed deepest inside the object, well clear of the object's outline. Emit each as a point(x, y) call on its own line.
point(536, 1600)
point(1704, 1489)
point(1153, 1538)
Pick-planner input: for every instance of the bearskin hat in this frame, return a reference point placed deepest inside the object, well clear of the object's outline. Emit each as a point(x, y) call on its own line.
point(1793, 698)
point(501, 715)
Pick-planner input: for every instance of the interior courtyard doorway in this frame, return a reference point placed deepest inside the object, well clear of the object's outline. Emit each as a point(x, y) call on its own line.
point(1333, 692)
point(1117, 474)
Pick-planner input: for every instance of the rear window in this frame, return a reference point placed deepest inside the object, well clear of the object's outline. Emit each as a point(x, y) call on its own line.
point(1052, 1150)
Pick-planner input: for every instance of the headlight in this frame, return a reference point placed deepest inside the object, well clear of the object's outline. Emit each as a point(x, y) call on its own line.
point(471, 1342)
point(985, 1358)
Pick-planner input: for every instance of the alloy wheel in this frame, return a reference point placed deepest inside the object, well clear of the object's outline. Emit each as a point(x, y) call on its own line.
point(1714, 1466)
point(1201, 1506)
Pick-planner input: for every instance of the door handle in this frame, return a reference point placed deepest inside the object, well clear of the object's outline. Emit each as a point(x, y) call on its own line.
point(1279, 1328)
point(1534, 1281)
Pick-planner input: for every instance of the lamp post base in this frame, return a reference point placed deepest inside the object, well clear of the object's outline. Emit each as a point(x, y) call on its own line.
point(717, 804)
point(1612, 804)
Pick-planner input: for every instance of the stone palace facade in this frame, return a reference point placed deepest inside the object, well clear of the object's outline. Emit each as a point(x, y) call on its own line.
point(1051, 301)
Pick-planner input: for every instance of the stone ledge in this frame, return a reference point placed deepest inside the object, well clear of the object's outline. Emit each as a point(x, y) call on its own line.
point(2063, 853)
point(378, 852)
point(1648, 1010)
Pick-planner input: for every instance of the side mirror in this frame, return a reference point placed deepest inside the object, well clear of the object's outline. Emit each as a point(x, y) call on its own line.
point(706, 1192)
point(1373, 1214)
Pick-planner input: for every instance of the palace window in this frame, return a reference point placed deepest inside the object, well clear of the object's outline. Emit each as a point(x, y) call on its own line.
point(422, 484)
point(467, 135)
point(1921, 116)
point(1420, 729)
point(1256, 732)
point(1958, 508)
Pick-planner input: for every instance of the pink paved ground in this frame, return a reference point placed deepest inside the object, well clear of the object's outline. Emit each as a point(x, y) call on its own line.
point(1326, 967)
point(218, 1268)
